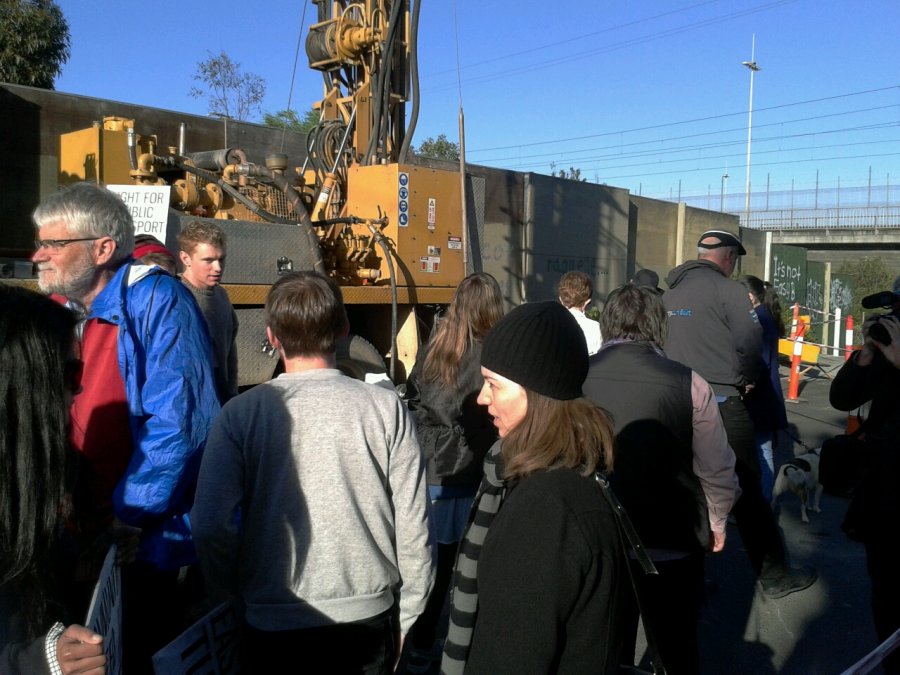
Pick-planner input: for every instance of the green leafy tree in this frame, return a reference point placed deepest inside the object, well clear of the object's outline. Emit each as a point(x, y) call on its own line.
point(872, 276)
point(290, 120)
point(228, 90)
point(438, 148)
point(34, 42)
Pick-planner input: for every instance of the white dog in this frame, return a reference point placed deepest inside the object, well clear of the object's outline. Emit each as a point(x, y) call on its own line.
point(800, 476)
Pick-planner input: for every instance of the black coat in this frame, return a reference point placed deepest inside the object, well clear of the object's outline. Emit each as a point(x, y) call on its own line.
point(551, 578)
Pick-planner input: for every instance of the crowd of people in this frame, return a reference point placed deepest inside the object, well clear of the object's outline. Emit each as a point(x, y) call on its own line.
point(501, 517)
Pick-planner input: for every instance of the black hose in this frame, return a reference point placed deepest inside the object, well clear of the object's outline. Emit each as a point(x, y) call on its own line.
point(381, 241)
point(414, 77)
point(382, 81)
point(282, 183)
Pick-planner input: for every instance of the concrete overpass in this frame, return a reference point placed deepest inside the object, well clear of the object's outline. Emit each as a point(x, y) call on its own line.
point(835, 234)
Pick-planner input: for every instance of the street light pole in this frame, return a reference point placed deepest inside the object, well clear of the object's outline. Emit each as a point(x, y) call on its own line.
point(751, 65)
point(722, 194)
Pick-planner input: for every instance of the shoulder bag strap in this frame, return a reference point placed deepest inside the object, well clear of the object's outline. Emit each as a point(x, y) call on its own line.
point(628, 534)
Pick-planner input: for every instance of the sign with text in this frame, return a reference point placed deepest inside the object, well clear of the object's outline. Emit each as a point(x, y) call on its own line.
point(149, 207)
point(209, 647)
point(105, 613)
point(788, 271)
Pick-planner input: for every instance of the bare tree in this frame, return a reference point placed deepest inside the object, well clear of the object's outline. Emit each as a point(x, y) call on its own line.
point(229, 91)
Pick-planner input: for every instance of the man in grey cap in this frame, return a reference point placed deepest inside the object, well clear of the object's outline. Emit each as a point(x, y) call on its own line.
point(713, 330)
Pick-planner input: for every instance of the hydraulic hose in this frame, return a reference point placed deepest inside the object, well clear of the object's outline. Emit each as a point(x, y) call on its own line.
point(414, 77)
point(383, 82)
point(304, 222)
point(382, 242)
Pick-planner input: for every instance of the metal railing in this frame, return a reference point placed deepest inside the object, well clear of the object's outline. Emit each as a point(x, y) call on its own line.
point(847, 218)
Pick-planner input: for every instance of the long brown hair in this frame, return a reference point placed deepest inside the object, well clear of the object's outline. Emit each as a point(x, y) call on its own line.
point(477, 305)
point(571, 434)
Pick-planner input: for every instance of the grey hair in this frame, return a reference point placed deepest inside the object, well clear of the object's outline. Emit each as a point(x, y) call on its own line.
point(90, 211)
point(706, 252)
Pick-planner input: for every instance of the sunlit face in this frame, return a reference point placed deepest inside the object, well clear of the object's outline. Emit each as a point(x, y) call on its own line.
point(506, 401)
point(71, 269)
point(204, 266)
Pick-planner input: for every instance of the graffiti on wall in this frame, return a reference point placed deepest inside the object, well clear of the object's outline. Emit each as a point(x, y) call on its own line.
point(787, 277)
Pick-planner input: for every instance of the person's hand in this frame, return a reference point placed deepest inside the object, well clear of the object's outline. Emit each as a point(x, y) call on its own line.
point(716, 542)
point(128, 539)
point(80, 650)
point(892, 351)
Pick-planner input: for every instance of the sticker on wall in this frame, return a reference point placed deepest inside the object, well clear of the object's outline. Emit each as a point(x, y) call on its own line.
point(434, 250)
point(432, 208)
point(430, 264)
point(403, 200)
point(454, 243)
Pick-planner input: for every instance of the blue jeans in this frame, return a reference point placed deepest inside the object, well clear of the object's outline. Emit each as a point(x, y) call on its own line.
point(764, 440)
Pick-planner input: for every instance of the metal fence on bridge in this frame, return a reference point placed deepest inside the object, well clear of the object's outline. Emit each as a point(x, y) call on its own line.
point(843, 207)
point(846, 218)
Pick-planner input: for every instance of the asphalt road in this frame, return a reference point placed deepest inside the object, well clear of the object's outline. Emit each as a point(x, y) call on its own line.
point(824, 629)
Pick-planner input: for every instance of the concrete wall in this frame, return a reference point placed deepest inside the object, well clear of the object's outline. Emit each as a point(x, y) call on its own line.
point(655, 235)
point(665, 234)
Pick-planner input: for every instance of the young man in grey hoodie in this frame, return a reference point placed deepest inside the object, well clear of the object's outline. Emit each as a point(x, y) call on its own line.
point(312, 506)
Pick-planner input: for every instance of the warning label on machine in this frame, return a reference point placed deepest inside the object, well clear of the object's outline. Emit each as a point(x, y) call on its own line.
point(432, 209)
point(430, 263)
point(454, 243)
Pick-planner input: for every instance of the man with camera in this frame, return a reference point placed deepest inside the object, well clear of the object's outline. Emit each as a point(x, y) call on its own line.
point(873, 374)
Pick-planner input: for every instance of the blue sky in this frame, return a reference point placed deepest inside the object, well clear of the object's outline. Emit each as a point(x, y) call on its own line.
point(649, 96)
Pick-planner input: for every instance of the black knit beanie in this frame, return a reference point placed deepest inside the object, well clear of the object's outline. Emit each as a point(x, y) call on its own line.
point(540, 346)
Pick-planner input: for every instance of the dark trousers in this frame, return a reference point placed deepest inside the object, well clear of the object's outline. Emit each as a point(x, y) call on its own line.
point(881, 561)
point(671, 602)
point(754, 517)
point(366, 647)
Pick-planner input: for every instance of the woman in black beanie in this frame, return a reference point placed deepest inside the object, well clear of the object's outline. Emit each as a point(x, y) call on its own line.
point(540, 575)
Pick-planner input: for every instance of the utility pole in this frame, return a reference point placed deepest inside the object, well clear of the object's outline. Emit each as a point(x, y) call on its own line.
point(751, 65)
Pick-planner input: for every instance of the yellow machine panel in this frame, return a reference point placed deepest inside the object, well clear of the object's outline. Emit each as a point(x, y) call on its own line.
point(94, 154)
point(423, 209)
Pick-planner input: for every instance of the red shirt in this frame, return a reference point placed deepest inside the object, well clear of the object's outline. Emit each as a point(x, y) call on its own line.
point(100, 430)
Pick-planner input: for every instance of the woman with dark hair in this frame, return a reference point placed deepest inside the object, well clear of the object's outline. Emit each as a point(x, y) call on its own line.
point(541, 571)
point(455, 434)
point(765, 402)
point(38, 376)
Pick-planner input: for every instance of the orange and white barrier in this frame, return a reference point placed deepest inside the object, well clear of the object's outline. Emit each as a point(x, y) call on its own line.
point(795, 320)
point(848, 338)
point(836, 333)
point(794, 381)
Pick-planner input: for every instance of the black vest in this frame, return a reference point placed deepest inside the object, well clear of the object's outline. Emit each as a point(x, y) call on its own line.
point(649, 398)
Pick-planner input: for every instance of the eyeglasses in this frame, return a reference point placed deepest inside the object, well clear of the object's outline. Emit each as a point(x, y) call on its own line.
point(56, 244)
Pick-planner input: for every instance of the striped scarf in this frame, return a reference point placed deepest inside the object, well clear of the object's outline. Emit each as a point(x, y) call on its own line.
point(464, 601)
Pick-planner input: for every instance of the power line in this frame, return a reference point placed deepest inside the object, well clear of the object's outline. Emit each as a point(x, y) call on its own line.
point(689, 121)
point(543, 65)
point(716, 168)
point(620, 146)
point(584, 36)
